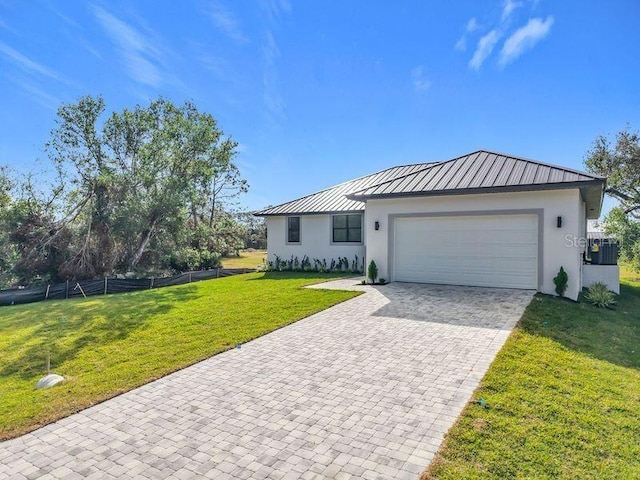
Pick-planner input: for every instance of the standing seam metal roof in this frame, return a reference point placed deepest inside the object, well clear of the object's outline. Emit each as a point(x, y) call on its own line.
point(334, 199)
point(475, 171)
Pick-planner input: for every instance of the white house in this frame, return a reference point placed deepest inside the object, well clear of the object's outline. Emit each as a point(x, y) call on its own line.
point(482, 219)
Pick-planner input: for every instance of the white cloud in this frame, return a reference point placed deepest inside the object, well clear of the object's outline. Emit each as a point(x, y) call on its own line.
point(26, 63)
point(276, 8)
point(419, 78)
point(525, 38)
point(271, 96)
point(273, 11)
point(484, 49)
point(509, 7)
point(142, 58)
point(472, 26)
point(226, 22)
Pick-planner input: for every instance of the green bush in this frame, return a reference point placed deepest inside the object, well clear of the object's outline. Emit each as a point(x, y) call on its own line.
point(600, 295)
point(372, 271)
point(561, 280)
point(186, 259)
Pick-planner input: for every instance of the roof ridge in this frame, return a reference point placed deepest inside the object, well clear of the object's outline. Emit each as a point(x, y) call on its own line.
point(482, 150)
point(546, 164)
point(429, 165)
point(344, 183)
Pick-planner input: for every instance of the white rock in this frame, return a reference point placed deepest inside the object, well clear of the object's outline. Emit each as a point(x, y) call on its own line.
point(49, 381)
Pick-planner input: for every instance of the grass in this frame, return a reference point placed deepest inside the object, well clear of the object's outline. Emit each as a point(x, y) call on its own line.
point(563, 395)
point(108, 345)
point(245, 260)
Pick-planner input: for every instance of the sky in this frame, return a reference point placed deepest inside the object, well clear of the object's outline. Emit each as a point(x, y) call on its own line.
point(320, 92)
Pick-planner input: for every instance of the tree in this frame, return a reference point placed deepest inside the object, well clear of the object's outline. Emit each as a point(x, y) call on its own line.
point(5, 188)
point(621, 165)
point(139, 179)
point(627, 231)
point(7, 250)
point(36, 243)
point(255, 230)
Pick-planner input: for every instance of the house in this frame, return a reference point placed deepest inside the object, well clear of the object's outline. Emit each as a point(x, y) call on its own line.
point(482, 219)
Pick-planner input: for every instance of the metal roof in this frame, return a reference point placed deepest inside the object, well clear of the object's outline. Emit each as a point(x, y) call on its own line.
point(478, 172)
point(334, 199)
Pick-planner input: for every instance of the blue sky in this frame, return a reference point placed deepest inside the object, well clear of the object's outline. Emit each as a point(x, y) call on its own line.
point(319, 92)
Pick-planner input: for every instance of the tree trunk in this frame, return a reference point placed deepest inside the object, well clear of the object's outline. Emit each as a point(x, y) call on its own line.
point(142, 247)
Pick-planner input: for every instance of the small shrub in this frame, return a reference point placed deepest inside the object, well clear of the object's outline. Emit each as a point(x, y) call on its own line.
point(561, 281)
point(600, 295)
point(372, 271)
point(382, 281)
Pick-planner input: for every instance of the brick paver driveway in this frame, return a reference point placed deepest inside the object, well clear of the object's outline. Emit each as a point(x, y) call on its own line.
point(365, 389)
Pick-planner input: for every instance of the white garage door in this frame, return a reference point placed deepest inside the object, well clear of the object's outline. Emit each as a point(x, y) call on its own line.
point(482, 250)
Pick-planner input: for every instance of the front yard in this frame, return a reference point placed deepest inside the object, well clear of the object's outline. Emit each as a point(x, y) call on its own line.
point(563, 398)
point(109, 345)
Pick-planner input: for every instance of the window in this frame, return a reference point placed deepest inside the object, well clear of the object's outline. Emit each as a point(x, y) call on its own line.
point(293, 229)
point(347, 228)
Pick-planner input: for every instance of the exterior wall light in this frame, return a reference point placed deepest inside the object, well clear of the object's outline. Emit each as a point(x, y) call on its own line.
point(559, 222)
point(376, 225)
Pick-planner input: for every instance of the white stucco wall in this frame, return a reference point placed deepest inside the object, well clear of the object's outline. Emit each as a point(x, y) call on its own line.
point(560, 247)
point(315, 240)
point(607, 274)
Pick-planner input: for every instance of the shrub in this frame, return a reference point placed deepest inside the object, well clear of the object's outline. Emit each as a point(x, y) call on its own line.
point(561, 280)
point(382, 280)
point(600, 295)
point(372, 271)
point(294, 264)
point(186, 259)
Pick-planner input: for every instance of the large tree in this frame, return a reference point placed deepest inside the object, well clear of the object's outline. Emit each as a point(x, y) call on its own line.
point(620, 163)
point(7, 252)
point(627, 231)
point(135, 179)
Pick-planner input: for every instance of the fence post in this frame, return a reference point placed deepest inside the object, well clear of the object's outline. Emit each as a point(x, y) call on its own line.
point(151, 283)
point(189, 277)
point(105, 285)
point(46, 295)
point(67, 294)
point(218, 272)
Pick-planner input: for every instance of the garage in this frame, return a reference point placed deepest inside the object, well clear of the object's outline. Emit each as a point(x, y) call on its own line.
point(476, 250)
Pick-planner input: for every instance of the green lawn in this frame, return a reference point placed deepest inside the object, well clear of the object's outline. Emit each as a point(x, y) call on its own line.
point(563, 395)
point(108, 345)
point(245, 260)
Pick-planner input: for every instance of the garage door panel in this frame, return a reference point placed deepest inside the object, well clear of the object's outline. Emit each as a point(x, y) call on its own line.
point(498, 251)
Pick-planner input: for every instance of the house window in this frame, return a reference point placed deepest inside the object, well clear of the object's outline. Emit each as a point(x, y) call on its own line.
point(347, 228)
point(293, 229)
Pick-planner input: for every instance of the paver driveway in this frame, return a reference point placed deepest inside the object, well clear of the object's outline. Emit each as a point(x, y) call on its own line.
point(365, 389)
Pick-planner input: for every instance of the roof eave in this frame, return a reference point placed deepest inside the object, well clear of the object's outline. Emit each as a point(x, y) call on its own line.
point(289, 214)
point(481, 190)
point(593, 196)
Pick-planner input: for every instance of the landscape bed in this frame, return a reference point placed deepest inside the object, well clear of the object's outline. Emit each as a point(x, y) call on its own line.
point(108, 345)
point(562, 397)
